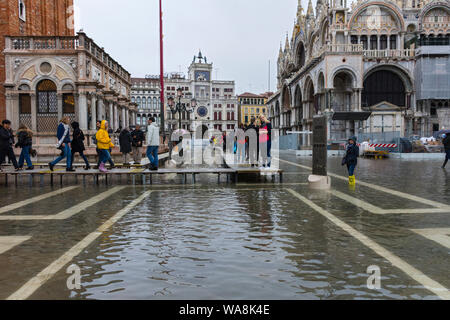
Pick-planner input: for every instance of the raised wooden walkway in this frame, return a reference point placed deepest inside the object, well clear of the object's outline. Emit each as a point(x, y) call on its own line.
point(136, 175)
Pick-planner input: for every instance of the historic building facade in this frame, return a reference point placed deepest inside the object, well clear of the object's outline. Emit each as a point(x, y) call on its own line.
point(145, 93)
point(251, 105)
point(387, 58)
point(51, 77)
point(216, 100)
point(32, 18)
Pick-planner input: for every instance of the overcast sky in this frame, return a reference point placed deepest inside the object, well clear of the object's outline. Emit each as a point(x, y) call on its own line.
point(238, 36)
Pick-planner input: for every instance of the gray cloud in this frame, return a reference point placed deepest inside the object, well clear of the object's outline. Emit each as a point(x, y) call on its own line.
point(238, 36)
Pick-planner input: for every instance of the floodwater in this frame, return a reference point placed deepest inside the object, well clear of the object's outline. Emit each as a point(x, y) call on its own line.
point(255, 240)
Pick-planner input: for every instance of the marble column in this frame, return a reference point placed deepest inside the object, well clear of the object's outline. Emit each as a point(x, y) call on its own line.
point(124, 117)
point(33, 112)
point(12, 110)
point(93, 112)
point(111, 115)
point(82, 111)
point(101, 109)
point(116, 117)
point(60, 105)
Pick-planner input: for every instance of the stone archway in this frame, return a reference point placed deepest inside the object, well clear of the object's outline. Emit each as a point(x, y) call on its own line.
point(384, 85)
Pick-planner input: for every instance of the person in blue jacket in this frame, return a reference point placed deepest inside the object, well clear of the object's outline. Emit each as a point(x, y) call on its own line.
point(351, 159)
point(63, 144)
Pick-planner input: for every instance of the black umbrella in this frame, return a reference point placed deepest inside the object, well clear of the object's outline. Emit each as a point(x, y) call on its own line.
point(440, 133)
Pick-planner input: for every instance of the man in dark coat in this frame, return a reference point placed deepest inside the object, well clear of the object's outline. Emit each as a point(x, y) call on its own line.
point(125, 141)
point(137, 145)
point(6, 143)
point(446, 142)
point(78, 144)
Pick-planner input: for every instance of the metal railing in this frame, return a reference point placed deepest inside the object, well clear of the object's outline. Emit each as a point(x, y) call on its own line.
point(392, 53)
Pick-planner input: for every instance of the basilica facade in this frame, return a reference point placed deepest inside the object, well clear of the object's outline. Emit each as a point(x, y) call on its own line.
point(379, 70)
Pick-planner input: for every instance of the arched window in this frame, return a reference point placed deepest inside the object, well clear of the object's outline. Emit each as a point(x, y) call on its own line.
point(47, 99)
point(364, 42)
point(47, 106)
point(155, 103)
point(138, 101)
point(22, 10)
point(383, 42)
point(373, 42)
point(393, 42)
point(144, 103)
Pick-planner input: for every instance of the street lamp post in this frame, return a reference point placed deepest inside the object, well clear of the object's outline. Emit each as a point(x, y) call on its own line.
point(180, 108)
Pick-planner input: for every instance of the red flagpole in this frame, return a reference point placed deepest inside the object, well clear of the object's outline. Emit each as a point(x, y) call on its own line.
point(161, 54)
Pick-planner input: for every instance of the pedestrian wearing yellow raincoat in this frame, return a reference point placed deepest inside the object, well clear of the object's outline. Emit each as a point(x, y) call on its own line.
point(104, 143)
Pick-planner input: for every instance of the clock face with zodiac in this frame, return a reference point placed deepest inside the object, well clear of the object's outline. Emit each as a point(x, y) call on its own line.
point(202, 75)
point(202, 111)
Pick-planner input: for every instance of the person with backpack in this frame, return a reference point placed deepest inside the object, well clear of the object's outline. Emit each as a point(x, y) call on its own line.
point(125, 141)
point(6, 144)
point(63, 135)
point(104, 144)
point(25, 142)
point(138, 142)
point(446, 142)
point(78, 144)
point(351, 159)
point(110, 161)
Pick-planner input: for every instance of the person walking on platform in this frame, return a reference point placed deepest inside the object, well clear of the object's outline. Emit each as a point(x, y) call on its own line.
point(138, 142)
point(351, 159)
point(125, 141)
point(153, 144)
point(104, 144)
point(241, 143)
point(25, 141)
point(110, 161)
point(63, 144)
point(446, 142)
point(6, 144)
point(253, 146)
point(78, 144)
point(265, 140)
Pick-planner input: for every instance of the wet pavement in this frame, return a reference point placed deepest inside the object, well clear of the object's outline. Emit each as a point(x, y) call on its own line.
point(254, 240)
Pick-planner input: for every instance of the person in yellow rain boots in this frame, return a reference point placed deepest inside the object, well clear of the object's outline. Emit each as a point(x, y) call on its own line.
point(351, 159)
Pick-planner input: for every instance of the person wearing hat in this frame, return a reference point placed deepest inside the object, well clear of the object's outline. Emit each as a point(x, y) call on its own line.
point(351, 159)
point(446, 142)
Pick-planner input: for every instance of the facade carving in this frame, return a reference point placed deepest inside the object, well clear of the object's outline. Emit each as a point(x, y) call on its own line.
point(52, 81)
point(377, 56)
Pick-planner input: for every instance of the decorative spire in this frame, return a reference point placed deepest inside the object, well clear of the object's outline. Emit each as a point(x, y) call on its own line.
point(310, 12)
point(287, 47)
point(299, 9)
